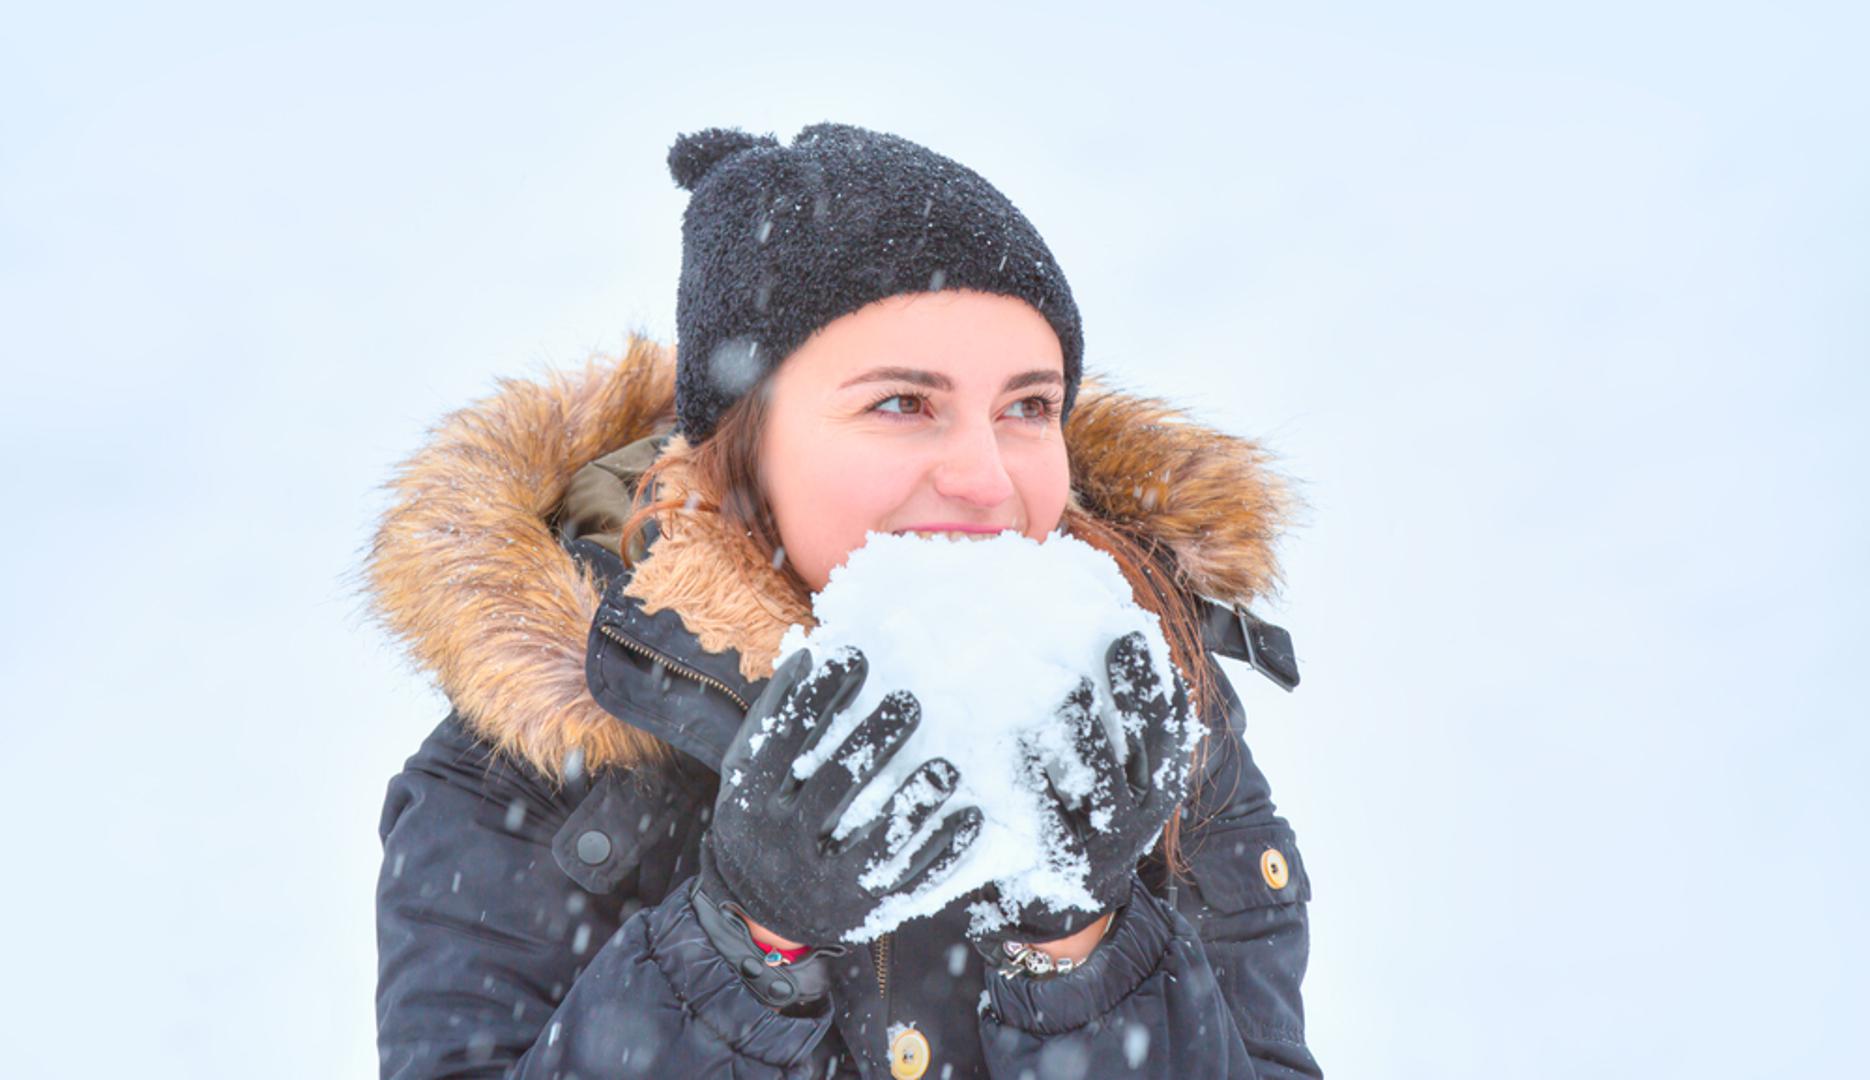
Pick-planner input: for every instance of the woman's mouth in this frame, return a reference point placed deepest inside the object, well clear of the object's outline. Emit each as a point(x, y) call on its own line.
point(974, 533)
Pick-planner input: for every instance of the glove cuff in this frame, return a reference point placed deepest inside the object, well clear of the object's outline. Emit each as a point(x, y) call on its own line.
point(785, 986)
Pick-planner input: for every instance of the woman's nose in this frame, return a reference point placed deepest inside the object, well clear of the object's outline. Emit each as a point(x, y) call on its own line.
point(971, 468)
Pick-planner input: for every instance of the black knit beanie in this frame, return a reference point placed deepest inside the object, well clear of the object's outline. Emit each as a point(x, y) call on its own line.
point(777, 241)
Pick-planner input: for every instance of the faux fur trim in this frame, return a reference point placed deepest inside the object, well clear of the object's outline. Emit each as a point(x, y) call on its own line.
point(727, 596)
point(1212, 499)
point(466, 573)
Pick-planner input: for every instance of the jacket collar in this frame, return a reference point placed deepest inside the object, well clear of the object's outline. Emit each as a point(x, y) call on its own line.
point(652, 669)
point(476, 567)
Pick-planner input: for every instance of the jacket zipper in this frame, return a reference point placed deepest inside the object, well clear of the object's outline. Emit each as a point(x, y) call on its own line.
point(677, 666)
point(882, 958)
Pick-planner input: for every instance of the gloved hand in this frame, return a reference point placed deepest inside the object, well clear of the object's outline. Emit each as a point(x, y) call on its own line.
point(1113, 825)
point(769, 851)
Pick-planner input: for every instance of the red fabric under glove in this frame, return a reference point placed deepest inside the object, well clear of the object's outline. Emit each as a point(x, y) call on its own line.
point(791, 955)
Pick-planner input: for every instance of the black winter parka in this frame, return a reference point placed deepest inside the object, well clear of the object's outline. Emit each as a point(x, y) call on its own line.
point(534, 921)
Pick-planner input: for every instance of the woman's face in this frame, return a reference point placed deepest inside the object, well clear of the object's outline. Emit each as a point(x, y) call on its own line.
point(920, 412)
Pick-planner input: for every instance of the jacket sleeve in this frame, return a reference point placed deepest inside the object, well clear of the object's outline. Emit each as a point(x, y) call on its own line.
point(493, 962)
point(1145, 1004)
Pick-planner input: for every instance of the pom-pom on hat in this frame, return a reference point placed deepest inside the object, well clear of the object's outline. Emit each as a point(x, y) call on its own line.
point(779, 240)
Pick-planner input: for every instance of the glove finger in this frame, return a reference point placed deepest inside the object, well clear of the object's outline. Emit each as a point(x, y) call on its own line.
point(1136, 691)
point(1133, 680)
point(1157, 720)
point(1102, 784)
point(1061, 827)
point(1174, 739)
point(1136, 767)
point(945, 847)
point(827, 793)
point(807, 711)
point(767, 718)
point(914, 802)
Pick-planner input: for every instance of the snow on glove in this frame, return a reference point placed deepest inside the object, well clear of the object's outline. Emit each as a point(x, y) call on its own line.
point(769, 849)
point(1112, 826)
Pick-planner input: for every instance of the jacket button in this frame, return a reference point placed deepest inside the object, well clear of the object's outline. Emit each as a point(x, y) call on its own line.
point(593, 847)
point(1273, 868)
point(909, 1054)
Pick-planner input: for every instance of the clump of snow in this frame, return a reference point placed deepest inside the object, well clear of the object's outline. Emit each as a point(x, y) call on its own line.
point(990, 636)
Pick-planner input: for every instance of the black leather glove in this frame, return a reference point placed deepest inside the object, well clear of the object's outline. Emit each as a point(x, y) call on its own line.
point(1128, 804)
point(769, 853)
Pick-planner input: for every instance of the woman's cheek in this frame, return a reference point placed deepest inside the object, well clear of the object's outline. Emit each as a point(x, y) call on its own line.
point(1045, 487)
point(869, 496)
point(848, 497)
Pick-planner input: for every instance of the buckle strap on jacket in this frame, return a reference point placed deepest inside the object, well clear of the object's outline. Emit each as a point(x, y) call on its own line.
point(1235, 632)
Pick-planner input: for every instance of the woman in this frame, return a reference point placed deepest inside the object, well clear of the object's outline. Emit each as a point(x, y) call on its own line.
point(599, 571)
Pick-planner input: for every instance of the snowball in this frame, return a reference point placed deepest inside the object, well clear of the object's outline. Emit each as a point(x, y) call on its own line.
point(991, 636)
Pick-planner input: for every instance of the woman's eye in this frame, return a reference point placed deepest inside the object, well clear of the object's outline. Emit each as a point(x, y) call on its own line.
point(1037, 407)
point(896, 399)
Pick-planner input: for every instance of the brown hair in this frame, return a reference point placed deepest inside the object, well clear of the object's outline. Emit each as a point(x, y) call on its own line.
point(726, 472)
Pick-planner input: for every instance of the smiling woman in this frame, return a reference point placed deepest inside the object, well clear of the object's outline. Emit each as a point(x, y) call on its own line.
point(950, 436)
point(603, 862)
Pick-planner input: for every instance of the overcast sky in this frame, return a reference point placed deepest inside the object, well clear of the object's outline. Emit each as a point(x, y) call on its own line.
point(1558, 317)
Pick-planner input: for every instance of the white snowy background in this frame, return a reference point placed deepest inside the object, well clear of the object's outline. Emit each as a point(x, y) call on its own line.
point(1559, 314)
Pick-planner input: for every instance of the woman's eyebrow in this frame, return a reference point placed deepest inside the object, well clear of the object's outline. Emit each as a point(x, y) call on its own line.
point(935, 380)
point(1033, 378)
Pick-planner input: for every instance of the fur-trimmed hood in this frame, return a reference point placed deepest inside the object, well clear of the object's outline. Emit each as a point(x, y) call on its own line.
point(468, 573)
